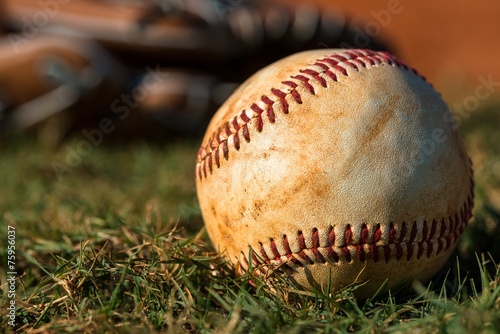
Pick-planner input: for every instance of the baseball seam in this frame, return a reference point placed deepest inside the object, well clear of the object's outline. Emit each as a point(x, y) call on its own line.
point(329, 68)
point(381, 242)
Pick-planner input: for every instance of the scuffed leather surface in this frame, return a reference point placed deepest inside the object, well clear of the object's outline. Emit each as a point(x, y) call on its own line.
point(377, 147)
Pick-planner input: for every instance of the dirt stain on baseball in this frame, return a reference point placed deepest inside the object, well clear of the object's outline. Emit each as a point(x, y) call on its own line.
point(386, 112)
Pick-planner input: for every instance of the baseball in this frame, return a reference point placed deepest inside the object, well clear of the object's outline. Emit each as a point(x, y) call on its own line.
point(335, 167)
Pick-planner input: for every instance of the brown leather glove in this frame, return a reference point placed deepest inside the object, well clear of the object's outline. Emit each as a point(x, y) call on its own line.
point(50, 74)
point(201, 49)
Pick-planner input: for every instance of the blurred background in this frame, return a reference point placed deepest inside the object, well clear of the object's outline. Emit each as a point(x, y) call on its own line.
point(452, 43)
point(103, 104)
point(160, 68)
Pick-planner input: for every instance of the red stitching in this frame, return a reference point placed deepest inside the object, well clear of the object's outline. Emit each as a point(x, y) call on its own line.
point(227, 129)
point(294, 93)
point(409, 251)
point(430, 248)
point(315, 75)
point(392, 233)
point(301, 240)
point(259, 124)
point(339, 58)
point(329, 67)
point(315, 238)
point(346, 253)
point(263, 252)
point(364, 234)
point(305, 257)
point(217, 158)
point(235, 124)
point(269, 108)
point(255, 260)
point(306, 83)
point(433, 229)
point(435, 236)
point(387, 253)
point(402, 234)
point(244, 117)
point(274, 249)
point(236, 141)
point(246, 135)
point(348, 235)
point(282, 99)
point(424, 230)
point(331, 236)
point(413, 233)
point(258, 110)
point(286, 245)
point(374, 252)
point(210, 163)
point(377, 235)
point(408, 244)
point(399, 251)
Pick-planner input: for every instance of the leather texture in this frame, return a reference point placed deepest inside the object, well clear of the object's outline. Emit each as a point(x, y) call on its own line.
point(335, 167)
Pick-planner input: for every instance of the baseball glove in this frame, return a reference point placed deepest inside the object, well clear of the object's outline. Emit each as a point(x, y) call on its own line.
point(199, 49)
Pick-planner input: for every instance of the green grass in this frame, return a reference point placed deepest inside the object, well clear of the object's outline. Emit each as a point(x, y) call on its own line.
point(118, 246)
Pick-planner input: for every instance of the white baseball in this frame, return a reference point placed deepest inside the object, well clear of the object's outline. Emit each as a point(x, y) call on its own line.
point(335, 167)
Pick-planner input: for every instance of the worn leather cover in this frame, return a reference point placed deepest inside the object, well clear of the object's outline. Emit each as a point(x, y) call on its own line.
point(336, 166)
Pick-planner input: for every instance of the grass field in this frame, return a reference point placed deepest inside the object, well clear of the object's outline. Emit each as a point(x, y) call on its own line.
point(116, 244)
